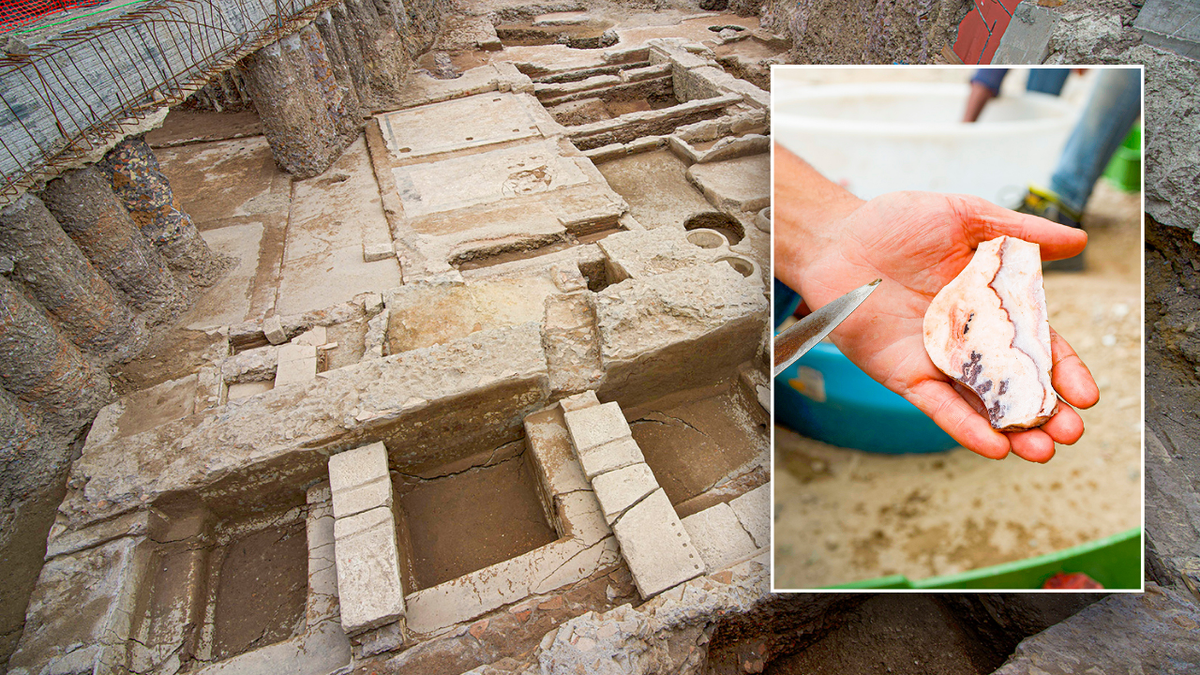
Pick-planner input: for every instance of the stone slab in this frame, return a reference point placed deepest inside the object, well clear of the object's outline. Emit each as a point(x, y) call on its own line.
point(558, 469)
point(368, 570)
point(460, 182)
point(462, 123)
point(297, 363)
point(594, 426)
point(332, 277)
point(720, 538)
point(753, 511)
point(247, 389)
point(621, 488)
point(742, 184)
point(1173, 25)
point(359, 480)
point(315, 336)
point(100, 587)
point(229, 302)
point(656, 546)
point(1027, 38)
point(677, 330)
point(1151, 632)
point(610, 456)
point(644, 254)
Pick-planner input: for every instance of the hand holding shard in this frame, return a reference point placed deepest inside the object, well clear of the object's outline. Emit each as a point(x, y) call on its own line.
point(988, 330)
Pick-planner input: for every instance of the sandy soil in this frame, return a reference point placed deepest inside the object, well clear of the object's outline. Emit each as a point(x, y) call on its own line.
point(844, 515)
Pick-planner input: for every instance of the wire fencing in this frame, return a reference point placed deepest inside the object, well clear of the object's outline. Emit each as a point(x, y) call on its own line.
point(69, 95)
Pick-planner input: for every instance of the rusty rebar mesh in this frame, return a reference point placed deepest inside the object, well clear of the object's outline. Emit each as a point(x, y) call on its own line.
point(71, 95)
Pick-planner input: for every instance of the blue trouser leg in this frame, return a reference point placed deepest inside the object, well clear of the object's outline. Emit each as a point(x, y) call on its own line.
point(1047, 80)
point(1114, 106)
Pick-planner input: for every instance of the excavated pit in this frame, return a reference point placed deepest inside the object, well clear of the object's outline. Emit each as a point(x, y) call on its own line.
point(465, 521)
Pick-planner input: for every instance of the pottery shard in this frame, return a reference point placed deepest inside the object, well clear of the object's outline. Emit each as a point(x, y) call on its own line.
point(987, 329)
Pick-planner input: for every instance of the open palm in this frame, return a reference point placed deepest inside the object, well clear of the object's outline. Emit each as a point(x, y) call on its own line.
point(917, 243)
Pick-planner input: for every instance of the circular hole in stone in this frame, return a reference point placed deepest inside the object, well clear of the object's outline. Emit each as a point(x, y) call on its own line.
point(762, 219)
point(706, 238)
point(405, 149)
point(715, 220)
point(744, 267)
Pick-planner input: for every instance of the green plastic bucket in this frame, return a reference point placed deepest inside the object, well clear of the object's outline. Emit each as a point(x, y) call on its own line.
point(1124, 170)
point(1115, 562)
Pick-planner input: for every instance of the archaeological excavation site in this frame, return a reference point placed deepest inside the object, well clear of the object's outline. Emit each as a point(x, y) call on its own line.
point(371, 336)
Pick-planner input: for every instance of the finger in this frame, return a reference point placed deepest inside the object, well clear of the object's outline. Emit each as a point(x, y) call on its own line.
point(949, 411)
point(1066, 427)
point(986, 221)
point(1070, 377)
point(1034, 445)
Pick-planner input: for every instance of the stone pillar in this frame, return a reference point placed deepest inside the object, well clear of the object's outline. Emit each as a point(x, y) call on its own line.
point(292, 108)
point(83, 202)
point(135, 176)
point(341, 70)
point(39, 364)
point(18, 431)
point(385, 61)
point(346, 122)
point(56, 272)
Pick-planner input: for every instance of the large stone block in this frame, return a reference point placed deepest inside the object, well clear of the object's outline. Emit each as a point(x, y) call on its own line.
point(368, 570)
point(297, 363)
point(359, 480)
point(596, 426)
point(621, 488)
point(677, 330)
point(753, 510)
point(719, 537)
point(611, 456)
point(741, 184)
point(656, 546)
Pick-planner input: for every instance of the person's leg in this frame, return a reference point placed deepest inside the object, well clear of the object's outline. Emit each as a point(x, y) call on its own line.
point(1113, 107)
point(1047, 80)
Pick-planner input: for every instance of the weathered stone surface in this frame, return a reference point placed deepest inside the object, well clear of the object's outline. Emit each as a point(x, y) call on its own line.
point(644, 254)
point(1150, 632)
point(594, 426)
point(662, 634)
point(1027, 38)
point(719, 537)
point(572, 346)
point(621, 488)
point(273, 329)
point(656, 546)
point(427, 406)
point(297, 363)
point(100, 586)
point(676, 330)
point(546, 435)
point(1173, 25)
point(368, 570)
point(741, 184)
point(610, 456)
point(753, 510)
point(359, 480)
point(458, 124)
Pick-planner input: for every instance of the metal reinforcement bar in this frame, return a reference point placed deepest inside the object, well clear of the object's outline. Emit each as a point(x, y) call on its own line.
point(69, 96)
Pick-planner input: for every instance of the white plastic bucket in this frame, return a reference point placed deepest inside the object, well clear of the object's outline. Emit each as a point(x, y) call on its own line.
point(878, 138)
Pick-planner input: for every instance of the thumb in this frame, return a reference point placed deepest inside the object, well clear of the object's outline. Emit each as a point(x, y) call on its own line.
point(984, 221)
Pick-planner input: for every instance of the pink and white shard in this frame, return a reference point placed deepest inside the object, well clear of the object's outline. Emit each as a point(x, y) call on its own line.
point(988, 330)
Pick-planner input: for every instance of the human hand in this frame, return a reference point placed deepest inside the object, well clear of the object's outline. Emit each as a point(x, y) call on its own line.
point(828, 242)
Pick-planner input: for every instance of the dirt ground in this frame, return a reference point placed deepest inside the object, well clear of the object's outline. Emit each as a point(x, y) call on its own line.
point(845, 515)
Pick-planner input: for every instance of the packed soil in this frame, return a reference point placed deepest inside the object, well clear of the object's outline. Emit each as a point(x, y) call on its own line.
point(263, 585)
point(468, 520)
point(846, 515)
point(699, 438)
point(901, 634)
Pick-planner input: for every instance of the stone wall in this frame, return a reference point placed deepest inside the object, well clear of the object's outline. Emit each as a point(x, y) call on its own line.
point(865, 31)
